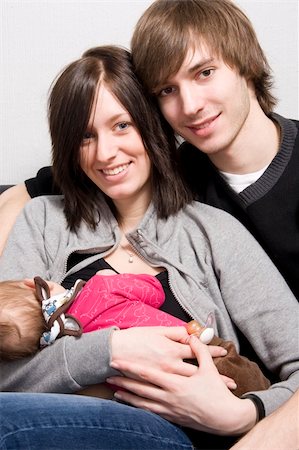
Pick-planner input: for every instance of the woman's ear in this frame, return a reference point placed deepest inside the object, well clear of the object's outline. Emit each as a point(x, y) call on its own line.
point(42, 289)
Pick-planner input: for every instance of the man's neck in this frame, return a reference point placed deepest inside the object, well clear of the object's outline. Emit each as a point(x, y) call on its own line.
point(253, 149)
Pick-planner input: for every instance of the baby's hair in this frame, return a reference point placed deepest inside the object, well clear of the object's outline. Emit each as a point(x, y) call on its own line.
point(21, 320)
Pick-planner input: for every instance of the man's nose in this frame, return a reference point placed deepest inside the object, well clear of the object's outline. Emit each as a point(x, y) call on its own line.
point(191, 101)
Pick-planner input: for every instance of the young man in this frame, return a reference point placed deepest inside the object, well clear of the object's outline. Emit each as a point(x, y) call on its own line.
point(203, 62)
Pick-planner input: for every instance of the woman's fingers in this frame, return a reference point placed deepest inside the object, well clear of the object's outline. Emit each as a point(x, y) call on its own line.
point(138, 376)
point(178, 334)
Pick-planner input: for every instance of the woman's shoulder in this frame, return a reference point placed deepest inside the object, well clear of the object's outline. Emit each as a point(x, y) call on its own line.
point(206, 212)
point(46, 208)
point(214, 221)
point(54, 202)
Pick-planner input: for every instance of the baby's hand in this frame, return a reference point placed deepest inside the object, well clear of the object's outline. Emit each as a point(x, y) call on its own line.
point(29, 282)
point(55, 288)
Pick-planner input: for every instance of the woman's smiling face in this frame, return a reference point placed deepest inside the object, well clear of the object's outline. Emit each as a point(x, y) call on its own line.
point(112, 153)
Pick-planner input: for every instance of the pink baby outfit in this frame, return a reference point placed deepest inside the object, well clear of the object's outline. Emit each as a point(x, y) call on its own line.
point(124, 300)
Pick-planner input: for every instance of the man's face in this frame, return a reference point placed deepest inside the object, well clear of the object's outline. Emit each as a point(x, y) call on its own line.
point(207, 103)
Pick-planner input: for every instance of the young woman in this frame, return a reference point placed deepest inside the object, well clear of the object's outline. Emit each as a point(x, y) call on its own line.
point(125, 207)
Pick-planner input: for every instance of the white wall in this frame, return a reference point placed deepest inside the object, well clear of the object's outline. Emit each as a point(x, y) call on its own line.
point(39, 37)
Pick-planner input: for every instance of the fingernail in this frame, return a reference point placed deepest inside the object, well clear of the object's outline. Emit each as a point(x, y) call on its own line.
point(117, 395)
point(110, 380)
point(223, 352)
point(232, 385)
point(114, 365)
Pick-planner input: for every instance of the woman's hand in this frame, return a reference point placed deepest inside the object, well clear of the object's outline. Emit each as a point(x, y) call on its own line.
point(162, 348)
point(199, 400)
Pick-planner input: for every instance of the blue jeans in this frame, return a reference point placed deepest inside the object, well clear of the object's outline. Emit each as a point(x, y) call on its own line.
point(75, 422)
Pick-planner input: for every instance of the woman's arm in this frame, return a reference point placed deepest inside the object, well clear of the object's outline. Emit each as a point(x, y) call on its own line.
point(66, 366)
point(12, 202)
point(71, 364)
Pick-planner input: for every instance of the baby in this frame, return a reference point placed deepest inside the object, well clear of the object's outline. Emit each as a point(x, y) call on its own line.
point(35, 313)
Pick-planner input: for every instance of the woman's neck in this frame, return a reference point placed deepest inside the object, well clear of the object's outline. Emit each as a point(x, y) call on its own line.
point(131, 212)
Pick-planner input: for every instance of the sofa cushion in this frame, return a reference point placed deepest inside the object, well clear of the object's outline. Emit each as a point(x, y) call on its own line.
point(3, 187)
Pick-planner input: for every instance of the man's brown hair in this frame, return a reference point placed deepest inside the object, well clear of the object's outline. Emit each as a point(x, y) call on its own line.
point(169, 28)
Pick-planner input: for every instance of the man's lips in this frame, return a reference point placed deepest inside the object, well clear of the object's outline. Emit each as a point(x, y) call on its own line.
point(203, 125)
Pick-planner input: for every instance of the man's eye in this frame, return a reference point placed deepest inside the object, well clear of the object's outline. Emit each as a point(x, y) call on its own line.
point(206, 73)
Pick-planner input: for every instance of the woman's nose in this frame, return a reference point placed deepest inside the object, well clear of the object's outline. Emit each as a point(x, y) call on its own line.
point(106, 149)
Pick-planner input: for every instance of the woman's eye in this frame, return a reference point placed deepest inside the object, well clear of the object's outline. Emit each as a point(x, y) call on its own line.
point(122, 126)
point(166, 91)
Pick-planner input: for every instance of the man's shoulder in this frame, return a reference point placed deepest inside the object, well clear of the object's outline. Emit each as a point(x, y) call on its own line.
point(296, 122)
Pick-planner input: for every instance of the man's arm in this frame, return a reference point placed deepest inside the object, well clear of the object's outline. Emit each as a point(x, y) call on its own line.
point(14, 199)
point(12, 202)
point(279, 431)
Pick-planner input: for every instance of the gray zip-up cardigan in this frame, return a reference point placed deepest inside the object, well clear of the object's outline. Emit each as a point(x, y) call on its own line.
point(213, 263)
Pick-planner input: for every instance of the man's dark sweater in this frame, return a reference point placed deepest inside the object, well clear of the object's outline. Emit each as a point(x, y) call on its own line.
point(269, 208)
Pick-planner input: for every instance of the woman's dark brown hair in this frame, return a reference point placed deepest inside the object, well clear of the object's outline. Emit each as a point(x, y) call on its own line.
point(69, 108)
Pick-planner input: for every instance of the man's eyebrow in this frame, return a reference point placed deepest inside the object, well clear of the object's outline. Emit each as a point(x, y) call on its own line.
point(200, 64)
point(191, 70)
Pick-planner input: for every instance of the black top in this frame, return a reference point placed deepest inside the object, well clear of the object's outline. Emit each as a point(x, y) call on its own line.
point(170, 305)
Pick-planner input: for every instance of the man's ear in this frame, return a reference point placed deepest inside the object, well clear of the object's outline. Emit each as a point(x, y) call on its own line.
point(42, 289)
